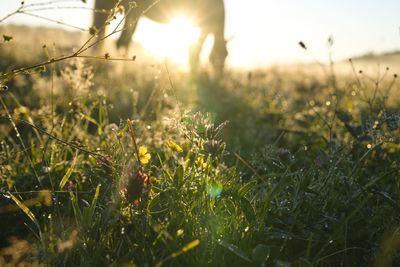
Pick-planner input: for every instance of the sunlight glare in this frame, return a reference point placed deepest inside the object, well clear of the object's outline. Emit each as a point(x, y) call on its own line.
point(173, 40)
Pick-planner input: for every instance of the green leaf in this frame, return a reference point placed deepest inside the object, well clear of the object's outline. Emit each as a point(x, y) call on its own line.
point(178, 176)
point(75, 208)
point(88, 212)
point(67, 174)
point(230, 205)
point(96, 196)
point(153, 202)
point(248, 210)
point(261, 253)
point(279, 263)
point(246, 188)
point(201, 128)
point(23, 208)
point(191, 245)
point(234, 249)
point(305, 263)
point(88, 118)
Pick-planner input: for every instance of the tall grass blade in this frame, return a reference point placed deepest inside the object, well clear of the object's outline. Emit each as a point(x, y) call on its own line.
point(24, 208)
point(234, 249)
point(66, 176)
point(185, 249)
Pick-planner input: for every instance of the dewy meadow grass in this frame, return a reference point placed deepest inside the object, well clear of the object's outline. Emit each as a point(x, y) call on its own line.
point(103, 163)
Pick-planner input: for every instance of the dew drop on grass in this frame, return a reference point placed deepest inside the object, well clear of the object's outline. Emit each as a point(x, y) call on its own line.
point(330, 241)
point(122, 230)
point(179, 232)
point(46, 169)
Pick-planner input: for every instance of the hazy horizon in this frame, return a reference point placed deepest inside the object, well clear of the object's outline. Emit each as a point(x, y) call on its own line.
point(263, 33)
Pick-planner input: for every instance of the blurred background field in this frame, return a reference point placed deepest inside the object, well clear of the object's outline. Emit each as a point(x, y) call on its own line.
point(279, 165)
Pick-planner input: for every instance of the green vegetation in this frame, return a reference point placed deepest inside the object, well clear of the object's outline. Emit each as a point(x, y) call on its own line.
point(116, 164)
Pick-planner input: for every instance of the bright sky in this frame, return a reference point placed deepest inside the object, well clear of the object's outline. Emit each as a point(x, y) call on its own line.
point(265, 32)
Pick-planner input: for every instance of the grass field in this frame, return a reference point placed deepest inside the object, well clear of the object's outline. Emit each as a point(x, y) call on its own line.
point(106, 163)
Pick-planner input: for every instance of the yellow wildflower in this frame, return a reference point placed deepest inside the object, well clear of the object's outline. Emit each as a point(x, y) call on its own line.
point(154, 180)
point(144, 156)
point(173, 146)
point(200, 163)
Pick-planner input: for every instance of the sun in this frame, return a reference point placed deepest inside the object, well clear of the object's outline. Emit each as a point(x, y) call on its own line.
point(169, 41)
